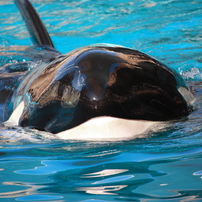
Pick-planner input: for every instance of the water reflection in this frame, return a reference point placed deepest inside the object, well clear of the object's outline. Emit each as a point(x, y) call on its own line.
point(32, 188)
point(104, 190)
point(115, 179)
point(131, 176)
point(161, 175)
point(29, 194)
point(105, 172)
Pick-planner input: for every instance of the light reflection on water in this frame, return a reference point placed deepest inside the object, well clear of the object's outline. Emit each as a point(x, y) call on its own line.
point(105, 172)
point(163, 175)
point(15, 194)
point(162, 166)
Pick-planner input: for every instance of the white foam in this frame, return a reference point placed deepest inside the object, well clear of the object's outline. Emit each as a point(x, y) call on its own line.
point(193, 73)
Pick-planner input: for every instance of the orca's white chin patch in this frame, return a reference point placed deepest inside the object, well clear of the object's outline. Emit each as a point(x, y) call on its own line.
point(108, 129)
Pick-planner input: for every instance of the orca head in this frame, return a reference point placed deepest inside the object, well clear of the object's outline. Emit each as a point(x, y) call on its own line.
point(110, 84)
point(100, 82)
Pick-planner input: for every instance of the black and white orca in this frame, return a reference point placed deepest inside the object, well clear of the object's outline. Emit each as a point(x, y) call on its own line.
point(96, 92)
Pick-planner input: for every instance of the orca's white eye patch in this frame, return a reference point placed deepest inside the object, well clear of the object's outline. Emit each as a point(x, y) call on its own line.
point(15, 116)
point(188, 96)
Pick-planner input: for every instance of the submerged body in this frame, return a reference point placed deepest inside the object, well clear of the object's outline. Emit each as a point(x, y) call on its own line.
point(99, 81)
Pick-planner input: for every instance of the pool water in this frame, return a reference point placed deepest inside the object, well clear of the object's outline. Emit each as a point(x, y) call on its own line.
point(165, 165)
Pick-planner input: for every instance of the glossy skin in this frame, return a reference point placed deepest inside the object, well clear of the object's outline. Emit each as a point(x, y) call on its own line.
point(100, 81)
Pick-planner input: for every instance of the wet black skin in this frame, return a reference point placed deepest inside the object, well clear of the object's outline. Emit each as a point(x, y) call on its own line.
point(94, 81)
point(100, 81)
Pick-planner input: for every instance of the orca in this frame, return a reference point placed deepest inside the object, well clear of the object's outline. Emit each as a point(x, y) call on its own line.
point(96, 92)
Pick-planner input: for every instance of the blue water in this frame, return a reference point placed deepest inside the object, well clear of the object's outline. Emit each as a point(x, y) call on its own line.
point(163, 166)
